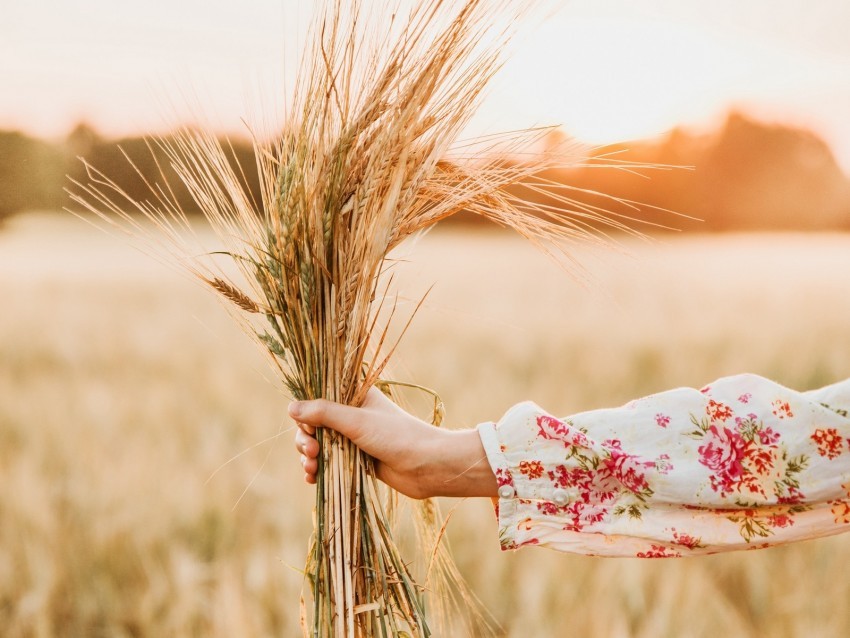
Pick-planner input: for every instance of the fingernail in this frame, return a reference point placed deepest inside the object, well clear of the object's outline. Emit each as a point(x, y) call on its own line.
point(295, 408)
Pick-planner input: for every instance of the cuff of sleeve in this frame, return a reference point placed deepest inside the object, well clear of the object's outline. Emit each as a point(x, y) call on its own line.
point(506, 504)
point(497, 459)
point(524, 502)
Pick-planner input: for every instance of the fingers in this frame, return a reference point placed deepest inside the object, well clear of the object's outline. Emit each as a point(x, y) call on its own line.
point(306, 444)
point(311, 466)
point(309, 429)
point(309, 463)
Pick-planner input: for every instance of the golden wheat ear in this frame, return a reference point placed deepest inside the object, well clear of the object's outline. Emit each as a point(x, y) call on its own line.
point(368, 157)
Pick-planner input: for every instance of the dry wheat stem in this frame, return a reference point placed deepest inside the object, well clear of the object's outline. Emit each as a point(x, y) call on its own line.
point(365, 160)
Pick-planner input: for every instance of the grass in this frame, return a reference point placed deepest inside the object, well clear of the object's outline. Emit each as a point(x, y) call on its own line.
point(125, 387)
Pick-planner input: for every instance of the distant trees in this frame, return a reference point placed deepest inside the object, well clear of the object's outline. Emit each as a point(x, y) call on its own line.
point(31, 174)
point(135, 164)
point(34, 173)
point(756, 176)
point(747, 175)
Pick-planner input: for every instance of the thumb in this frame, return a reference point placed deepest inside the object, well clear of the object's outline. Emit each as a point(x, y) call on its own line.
point(344, 419)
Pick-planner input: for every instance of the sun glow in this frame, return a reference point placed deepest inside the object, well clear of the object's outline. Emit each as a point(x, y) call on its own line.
point(606, 70)
point(618, 72)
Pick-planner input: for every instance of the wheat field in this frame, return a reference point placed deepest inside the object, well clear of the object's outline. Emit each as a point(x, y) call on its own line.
point(148, 484)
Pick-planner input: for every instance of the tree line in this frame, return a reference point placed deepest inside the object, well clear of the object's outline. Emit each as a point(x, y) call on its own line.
point(34, 173)
point(746, 175)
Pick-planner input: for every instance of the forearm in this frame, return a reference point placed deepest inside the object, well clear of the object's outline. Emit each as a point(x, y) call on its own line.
point(458, 466)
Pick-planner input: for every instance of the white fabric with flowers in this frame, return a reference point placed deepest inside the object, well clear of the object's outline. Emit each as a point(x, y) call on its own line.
point(743, 463)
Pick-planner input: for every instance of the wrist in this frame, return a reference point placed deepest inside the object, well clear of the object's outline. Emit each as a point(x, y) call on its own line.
point(460, 467)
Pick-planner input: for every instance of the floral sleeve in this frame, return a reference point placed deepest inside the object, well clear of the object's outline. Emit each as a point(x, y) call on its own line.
point(743, 463)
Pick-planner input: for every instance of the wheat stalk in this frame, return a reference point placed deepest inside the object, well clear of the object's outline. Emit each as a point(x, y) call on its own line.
point(367, 158)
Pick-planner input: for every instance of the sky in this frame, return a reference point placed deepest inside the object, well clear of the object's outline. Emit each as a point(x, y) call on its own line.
point(606, 70)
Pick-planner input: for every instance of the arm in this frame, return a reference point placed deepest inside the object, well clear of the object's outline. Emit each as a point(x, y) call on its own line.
point(742, 463)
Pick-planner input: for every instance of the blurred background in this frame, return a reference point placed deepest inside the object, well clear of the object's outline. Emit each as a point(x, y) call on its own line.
point(147, 481)
point(754, 97)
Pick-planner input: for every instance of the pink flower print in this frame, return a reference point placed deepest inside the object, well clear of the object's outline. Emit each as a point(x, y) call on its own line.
point(591, 513)
point(723, 453)
point(531, 469)
point(706, 389)
point(584, 514)
point(793, 496)
point(549, 509)
point(829, 442)
point(605, 489)
point(742, 422)
point(562, 476)
point(686, 540)
point(768, 436)
point(592, 486)
point(612, 444)
point(625, 468)
point(782, 409)
point(780, 520)
point(658, 551)
point(718, 411)
point(503, 477)
point(745, 398)
point(556, 430)
point(662, 420)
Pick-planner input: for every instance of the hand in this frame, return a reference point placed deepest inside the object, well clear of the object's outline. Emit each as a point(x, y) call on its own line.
point(411, 456)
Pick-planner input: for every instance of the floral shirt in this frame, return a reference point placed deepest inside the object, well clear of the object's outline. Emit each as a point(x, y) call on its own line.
point(743, 463)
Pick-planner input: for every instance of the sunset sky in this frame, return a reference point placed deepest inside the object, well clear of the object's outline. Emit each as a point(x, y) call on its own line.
point(606, 70)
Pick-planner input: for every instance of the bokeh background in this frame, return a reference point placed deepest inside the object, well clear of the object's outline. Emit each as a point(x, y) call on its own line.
point(147, 481)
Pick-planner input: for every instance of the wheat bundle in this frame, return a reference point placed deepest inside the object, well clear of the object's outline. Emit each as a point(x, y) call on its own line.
point(368, 157)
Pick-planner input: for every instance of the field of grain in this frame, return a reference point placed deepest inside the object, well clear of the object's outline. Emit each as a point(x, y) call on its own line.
point(125, 389)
